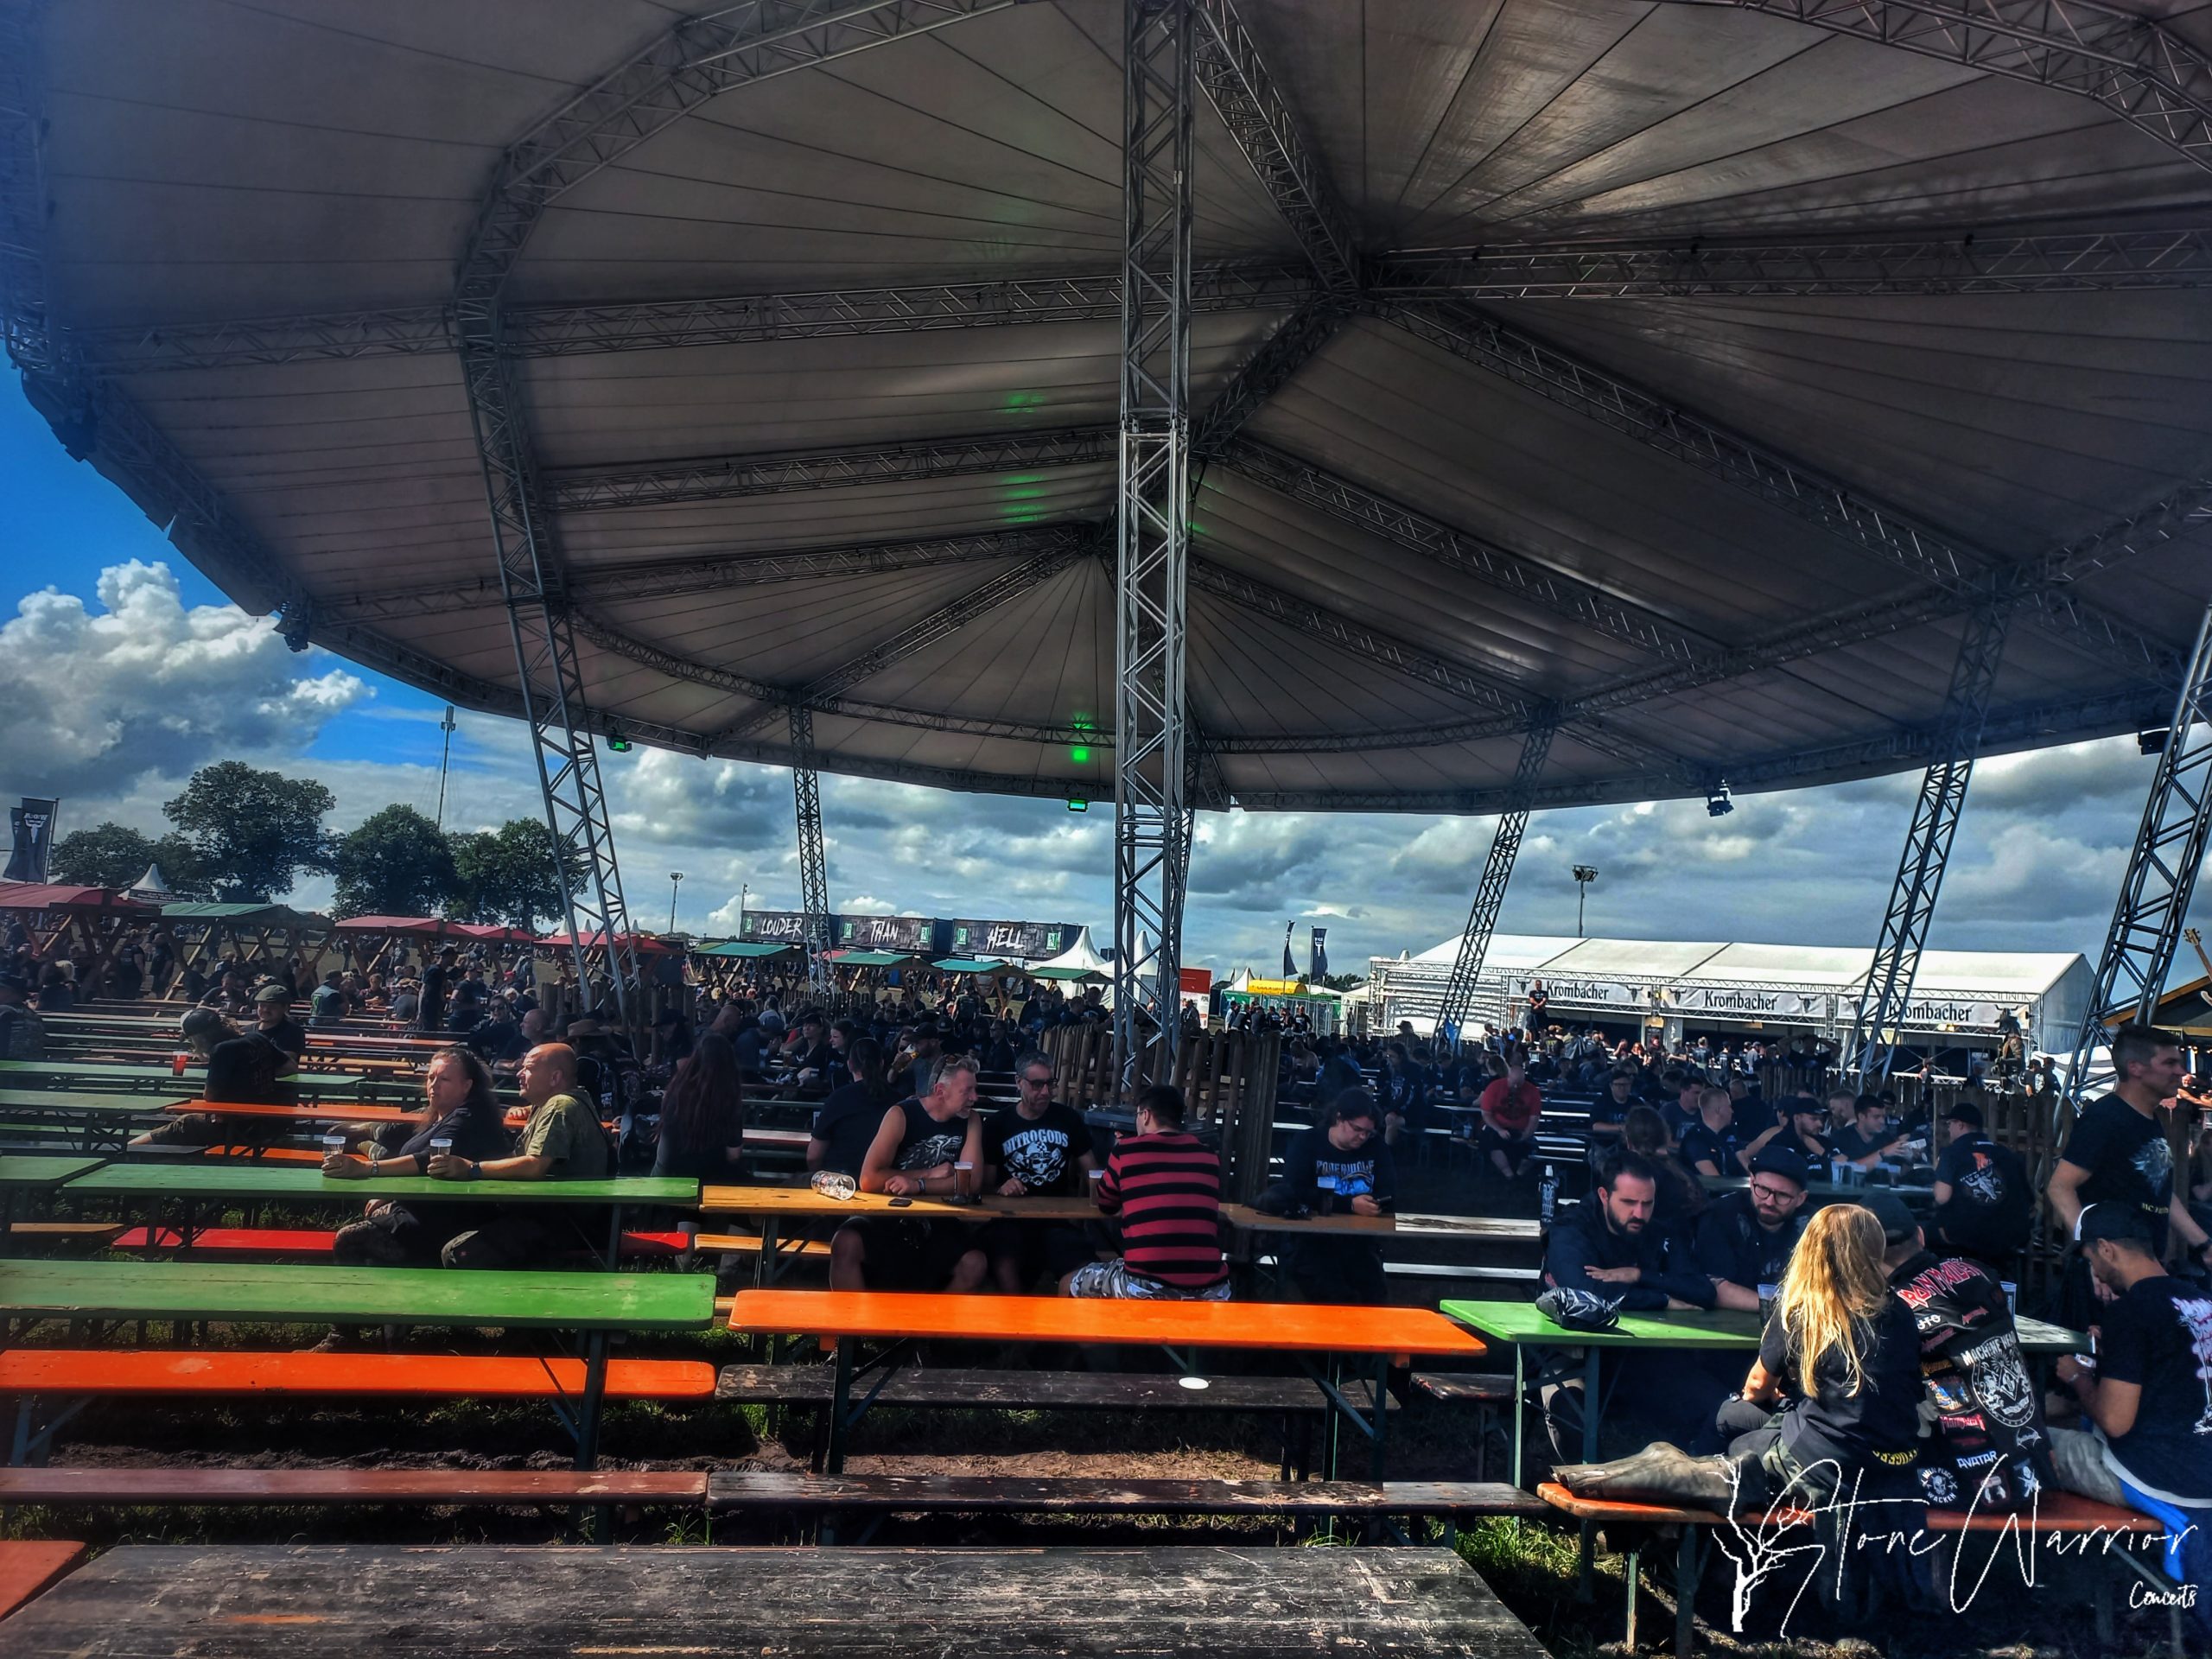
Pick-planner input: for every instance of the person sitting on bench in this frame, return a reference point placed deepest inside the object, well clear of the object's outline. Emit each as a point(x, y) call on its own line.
point(244, 1068)
point(1037, 1147)
point(2148, 1396)
point(1512, 1106)
point(1343, 1150)
point(1607, 1246)
point(919, 1143)
point(561, 1141)
point(1745, 1239)
point(1984, 1206)
point(1833, 1397)
point(1165, 1185)
point(1709, 1145)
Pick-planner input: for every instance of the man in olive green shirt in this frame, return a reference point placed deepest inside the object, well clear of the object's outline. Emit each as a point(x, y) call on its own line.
point(561, 1141)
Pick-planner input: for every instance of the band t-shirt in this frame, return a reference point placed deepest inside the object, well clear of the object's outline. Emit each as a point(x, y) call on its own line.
point(1989, 1207)
point(2158, 1336)
point(2128, 1160)
point(1852, 1429)
point(1509, 1110)
point(923, 1143)
point(1044, 1154)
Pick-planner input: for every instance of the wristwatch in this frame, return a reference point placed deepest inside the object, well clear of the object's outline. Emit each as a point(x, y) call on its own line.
point(375, 1164)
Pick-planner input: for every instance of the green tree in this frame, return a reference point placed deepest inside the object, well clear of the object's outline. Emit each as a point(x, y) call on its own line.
point(395, 863)
point(507, 875)
point(251, 834)
point(106, 856)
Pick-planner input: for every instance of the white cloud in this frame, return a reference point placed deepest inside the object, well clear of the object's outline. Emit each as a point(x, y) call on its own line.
point(868, 905)
point(96, 699)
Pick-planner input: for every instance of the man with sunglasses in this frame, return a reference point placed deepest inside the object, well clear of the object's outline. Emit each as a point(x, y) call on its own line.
point(1037, 1147)
point(1343, 1151)
point(1745, 1239)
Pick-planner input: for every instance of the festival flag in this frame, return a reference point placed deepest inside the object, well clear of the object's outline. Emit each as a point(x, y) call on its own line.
point(1289, 967)
point(1317, 956)
point(32, 825)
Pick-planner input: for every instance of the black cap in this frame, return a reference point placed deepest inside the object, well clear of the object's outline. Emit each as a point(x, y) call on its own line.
point(2112, 1221)
point(1803, 1106)
point(1782, 1160)
point(1899, 1223)
point(1965, 1112)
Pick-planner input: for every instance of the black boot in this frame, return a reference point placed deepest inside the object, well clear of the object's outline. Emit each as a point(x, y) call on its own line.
point(1659, 1473)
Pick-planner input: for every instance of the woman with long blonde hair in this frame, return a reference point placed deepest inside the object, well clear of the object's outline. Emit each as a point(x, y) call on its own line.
point(1833, 1395)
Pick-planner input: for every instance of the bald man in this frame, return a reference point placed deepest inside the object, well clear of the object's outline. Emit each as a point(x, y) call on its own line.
point(561, 1141)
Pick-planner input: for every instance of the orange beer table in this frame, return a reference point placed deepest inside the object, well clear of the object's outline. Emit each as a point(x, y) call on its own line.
point(769, 1207)
point(1323, 1339)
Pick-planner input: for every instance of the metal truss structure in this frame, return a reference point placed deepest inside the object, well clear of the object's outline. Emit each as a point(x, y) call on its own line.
point(1887, 990)
point(2162, 872)
point(1490, 892)
point(1965, 262)
point(1152, 530)
point(2135, 66)
point(813, 858)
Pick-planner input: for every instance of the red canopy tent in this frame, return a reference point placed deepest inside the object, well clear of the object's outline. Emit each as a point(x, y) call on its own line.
point(58, 917)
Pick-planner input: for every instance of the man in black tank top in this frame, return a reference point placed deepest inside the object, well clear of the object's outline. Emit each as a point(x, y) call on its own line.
point(912, 1156)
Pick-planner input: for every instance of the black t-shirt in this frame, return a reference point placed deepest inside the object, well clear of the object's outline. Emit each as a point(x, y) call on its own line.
point(286, 1035)
point(1700, 1144)
point(1989, 1450)
point(1990, 1208)
point(1851, 1144)
point(847, 1124)
point(496, 1039)
point(475, 1136)
point(247, 1072)
point(1731, 1245)
point(433, 1003)
point(1044, 1154)
point(1370, 1171)
point(2128, 1160)
point(1852, 1429)
point(2158, 1336)
point(924, 1143)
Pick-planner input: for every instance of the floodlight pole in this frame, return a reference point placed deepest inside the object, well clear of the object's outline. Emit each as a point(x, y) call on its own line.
point(1150, 823)
point(1583, 876)
point(813, 860)
point(2154, 896)
point(1887, 991)
point(1490, 893)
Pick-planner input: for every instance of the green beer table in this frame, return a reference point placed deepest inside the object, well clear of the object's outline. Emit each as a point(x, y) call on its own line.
point(1522, 1326)
point(22, 1173)
point(96, 1121)
point(194, 1185)
point(594, 1303)
point(113, 1077)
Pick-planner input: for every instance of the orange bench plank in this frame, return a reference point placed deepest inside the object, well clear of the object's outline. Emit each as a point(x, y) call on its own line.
point(27, 1568)
point(190, 1486)
point(325, 1112)
point(1298, 1327)
point(60, 1370)
point(2055, 1512)
point(309, 1241)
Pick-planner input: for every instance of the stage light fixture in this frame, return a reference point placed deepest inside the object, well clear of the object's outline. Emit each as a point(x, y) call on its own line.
point(1717, 804)
point(2154, 741)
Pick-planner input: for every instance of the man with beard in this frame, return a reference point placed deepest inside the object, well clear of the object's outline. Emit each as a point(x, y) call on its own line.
point(916, 1149)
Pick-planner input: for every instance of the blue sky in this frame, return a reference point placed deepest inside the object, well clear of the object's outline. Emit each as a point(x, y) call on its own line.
point(115, 685)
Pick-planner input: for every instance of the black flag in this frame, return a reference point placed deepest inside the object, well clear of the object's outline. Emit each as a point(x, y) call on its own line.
point(1289, 967)
point(33, 824)
point(1317, 957)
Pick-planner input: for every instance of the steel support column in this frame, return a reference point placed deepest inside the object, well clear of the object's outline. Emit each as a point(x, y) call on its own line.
point(813, 860)
point(1490, 893)
point(2161, 875)
point(1888, 988)
point(1152, 532)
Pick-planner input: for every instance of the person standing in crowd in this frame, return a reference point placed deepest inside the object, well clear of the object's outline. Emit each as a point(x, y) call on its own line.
point(1037, 1147)
point(1512, 1107)
point(437, 987)
point(2119, 1153)
point(703, 1116)
point(1535, 1016)
point(22, 1034)
point(561, 1141)
point(1745, 1239)
point(1403, 1087)
point(1984, 1207)
point(1164, 1184)
point(327, 1006)
point(2148, 1396)
point(917, 1146)
point(1343, 1151)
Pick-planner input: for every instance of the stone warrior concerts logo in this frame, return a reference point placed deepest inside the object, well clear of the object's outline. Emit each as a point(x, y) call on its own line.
point(1754, 1544)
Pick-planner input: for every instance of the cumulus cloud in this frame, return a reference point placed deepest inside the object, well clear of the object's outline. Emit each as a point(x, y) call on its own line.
point(144, 684)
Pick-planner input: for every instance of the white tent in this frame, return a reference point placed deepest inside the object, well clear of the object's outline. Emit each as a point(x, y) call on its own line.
point(152, 887)
point(1078, 960)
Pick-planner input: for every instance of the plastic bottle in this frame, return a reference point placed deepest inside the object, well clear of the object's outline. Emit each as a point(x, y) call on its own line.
point(1548, 1192)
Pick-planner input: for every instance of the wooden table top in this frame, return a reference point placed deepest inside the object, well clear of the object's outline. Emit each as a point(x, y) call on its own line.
point(105, 1072)
point(198, 1181)
point(332, 1111)
point(1288, 1327)
point(213, 1290)
point(806, 1201)
point(293, 1602)
point(94, 1105)
point(1522, 1322)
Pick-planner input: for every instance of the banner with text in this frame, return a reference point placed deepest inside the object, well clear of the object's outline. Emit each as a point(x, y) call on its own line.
point(32, 825)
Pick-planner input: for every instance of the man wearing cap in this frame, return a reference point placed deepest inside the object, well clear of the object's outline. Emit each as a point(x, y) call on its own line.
point(274, 1024)
point(1744, 1239)
point(1987, 1449)
point(244, 1068)
point(2147, 1395)
point(1798, 1123)
point(22, 1034)
point(926, 1044)
point(1983, 1206)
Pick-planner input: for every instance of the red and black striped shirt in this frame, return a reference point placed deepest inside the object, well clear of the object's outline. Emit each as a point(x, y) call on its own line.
point(1167, 1188)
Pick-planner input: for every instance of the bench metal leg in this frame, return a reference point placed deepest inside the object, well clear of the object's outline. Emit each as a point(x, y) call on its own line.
point(1634, 1562)
point(1689, 1568)
point(1520, 1409)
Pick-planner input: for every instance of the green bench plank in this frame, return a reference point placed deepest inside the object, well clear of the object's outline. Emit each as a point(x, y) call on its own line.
point(1522, 1324)
point(267, 1182)
point(32, 1170)
point(320, 1084)
point(91, 1105)
point(199, 1290)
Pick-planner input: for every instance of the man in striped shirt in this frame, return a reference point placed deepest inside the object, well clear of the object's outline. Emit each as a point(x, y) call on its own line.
point(1166, 1188)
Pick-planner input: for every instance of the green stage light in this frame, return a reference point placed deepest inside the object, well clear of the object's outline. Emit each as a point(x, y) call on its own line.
point(1080, 755)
